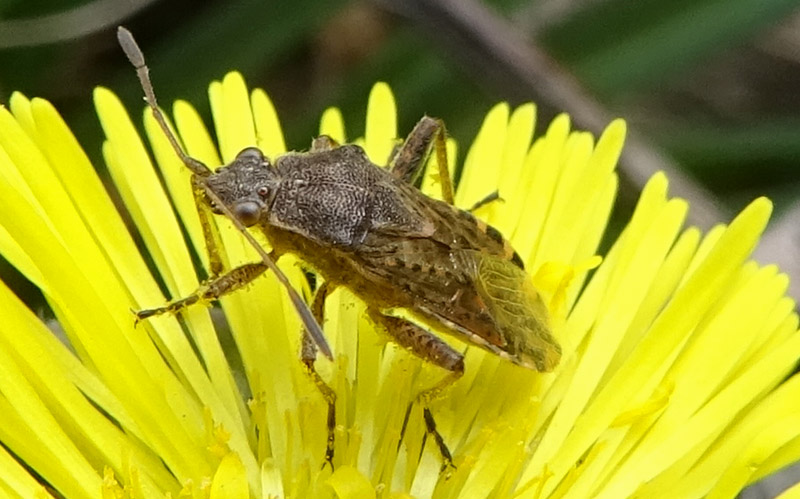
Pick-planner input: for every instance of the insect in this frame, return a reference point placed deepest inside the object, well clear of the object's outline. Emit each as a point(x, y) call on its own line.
point(372, 231)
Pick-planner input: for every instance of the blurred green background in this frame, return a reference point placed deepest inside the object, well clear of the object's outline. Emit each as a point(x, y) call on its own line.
point(709, 87)
point(710, 83)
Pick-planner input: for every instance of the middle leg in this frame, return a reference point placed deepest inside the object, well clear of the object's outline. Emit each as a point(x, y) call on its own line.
point(308, 355)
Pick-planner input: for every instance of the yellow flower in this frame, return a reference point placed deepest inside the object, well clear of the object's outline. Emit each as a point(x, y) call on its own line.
point(675, 351)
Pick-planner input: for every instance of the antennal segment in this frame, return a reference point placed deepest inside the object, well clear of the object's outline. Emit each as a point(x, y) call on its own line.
point(134, 54)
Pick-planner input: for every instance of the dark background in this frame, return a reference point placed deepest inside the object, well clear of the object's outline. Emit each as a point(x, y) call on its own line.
point(710, 88)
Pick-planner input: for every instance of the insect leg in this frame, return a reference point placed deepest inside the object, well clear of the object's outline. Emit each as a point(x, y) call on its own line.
point(210, 290)
point(410, 159)
point(490, 198)
point(430, 348)
point(135, 56)
point(308, 354)
point(211, 236)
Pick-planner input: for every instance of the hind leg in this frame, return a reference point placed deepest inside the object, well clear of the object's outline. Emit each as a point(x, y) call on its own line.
point(430, 348)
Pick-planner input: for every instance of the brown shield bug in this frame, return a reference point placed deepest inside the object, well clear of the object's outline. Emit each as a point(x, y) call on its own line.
point(371, 230)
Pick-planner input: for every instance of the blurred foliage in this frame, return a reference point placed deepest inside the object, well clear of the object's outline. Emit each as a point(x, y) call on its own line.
point(702, 78)
point(638, 46)
point(313, 53)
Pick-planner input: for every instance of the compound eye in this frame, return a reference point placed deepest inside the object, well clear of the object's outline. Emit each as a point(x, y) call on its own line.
point(247, 212)
point(251, 154)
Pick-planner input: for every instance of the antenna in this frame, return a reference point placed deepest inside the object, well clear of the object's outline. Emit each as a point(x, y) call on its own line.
point(134, 54)
point(306, 316)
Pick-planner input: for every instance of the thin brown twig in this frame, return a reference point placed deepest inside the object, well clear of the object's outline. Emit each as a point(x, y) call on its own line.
point(69, 24)
point(503, 57)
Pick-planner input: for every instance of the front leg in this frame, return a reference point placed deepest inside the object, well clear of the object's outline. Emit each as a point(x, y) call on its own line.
point(218, 283)
point(430, 348)
point(211, 236)
point(210, 290)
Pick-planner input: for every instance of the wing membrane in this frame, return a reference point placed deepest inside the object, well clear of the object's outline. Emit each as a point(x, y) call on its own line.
point(519, 313)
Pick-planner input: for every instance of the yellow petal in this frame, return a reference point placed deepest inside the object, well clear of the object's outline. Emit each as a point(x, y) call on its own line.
point(380, 135)
point(348, 483)
point(332, 125)
point(230, 480)
point(481, 166)
point(268, 127)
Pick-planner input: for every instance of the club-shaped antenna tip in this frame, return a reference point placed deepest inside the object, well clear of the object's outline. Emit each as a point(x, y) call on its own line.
point(130, 47)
